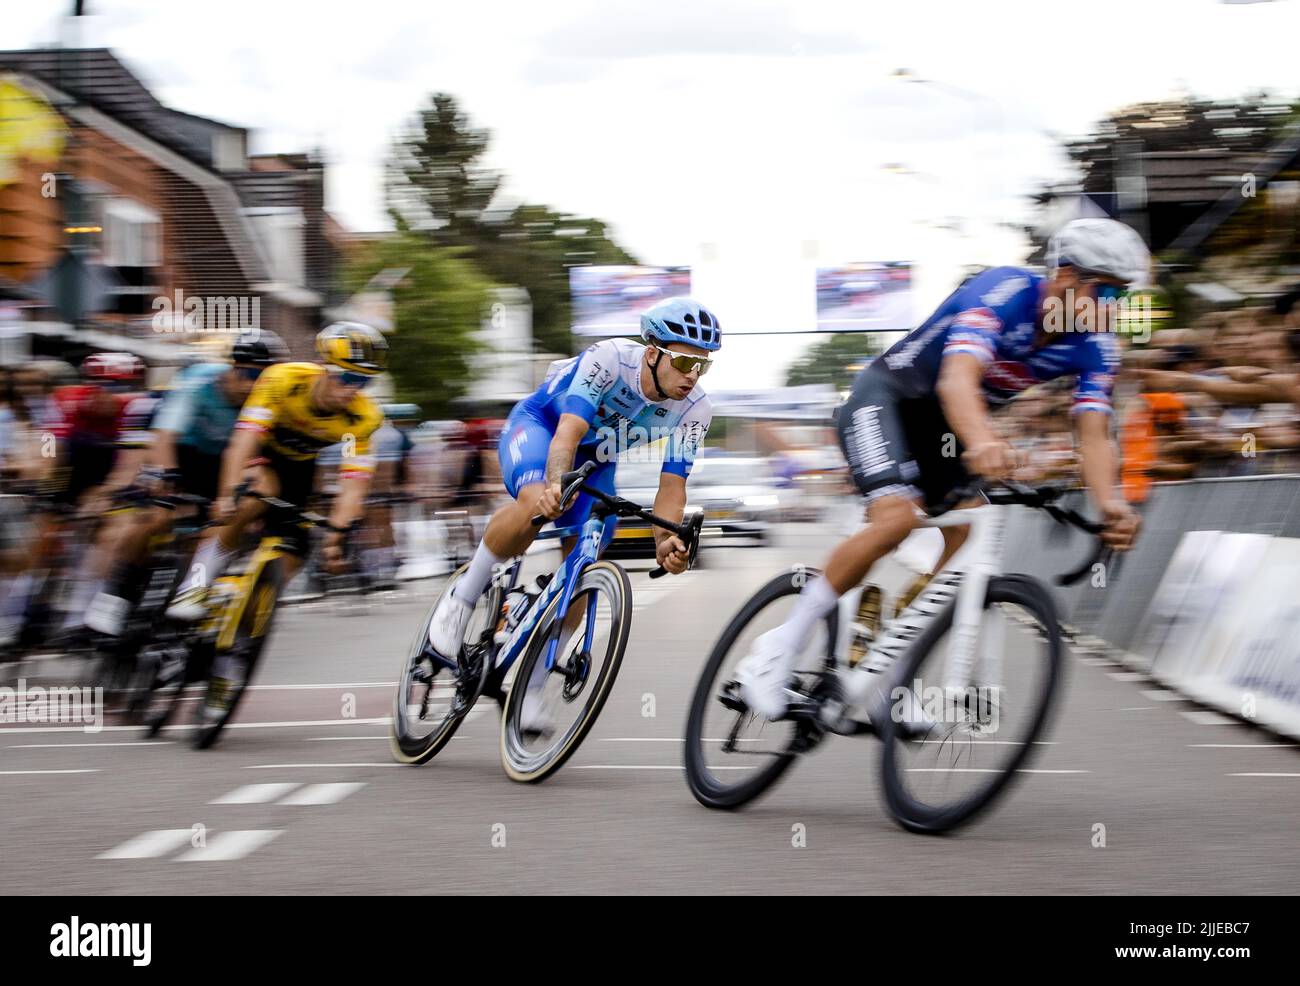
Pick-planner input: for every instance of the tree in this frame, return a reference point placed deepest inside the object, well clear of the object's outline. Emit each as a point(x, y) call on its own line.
point(436, 186)
point(437, 308)
point(836, 360)
point(434, 181)
point(535, 247)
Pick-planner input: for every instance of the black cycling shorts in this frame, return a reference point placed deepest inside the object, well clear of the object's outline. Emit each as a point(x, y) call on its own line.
point(297, 482)
point(199, 472)
point(899, 446)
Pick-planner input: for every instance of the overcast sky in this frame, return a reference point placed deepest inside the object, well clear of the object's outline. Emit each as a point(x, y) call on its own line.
point(746, 136)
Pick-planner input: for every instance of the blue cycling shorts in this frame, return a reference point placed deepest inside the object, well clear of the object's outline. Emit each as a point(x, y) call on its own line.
point(522, 450)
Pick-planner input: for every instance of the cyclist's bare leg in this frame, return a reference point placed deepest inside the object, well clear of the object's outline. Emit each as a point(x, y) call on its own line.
point(511, 531)
point(890, 520)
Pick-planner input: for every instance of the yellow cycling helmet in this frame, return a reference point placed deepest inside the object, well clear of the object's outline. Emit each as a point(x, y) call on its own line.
point(353, 346)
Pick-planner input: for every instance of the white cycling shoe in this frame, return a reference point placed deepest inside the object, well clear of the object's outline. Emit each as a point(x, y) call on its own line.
point(447, 626)
point(106, 614)
point(764, 674)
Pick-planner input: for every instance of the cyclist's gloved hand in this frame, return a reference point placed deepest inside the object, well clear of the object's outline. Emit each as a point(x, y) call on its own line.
point(1121, 522)
point(549, 504)
point(671, 553)
point(995, 460)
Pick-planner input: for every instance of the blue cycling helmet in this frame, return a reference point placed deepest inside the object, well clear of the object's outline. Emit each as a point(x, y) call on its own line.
point(681, 320)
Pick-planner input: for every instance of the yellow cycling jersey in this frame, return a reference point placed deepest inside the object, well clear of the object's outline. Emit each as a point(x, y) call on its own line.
point(281, 409)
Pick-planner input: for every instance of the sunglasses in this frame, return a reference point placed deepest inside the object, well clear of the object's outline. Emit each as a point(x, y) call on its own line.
point(350, 379)
point(686, 364)
point(250, 373)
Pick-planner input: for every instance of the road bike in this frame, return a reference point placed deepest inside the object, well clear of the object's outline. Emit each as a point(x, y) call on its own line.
point(564, 639)
point(958, 683)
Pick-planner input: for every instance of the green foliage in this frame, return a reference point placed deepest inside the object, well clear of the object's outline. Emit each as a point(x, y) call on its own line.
point(835, 360)
point(438, 306)
point(436, 186)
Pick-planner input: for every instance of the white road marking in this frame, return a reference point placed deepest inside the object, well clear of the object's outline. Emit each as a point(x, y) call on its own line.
point(986, 770)
point(150, 844)
point(69, 746)
point(1264, 775)
point(296, 766)
point(228, 846)
point(1137, 708)
point(1244, 746)
point(16, 773)
point(326, 685)
point(1160, 695)
point(255, 794)
point(646, 766)
point(302, 722)
point(1126, 676)
point(384, 721)
point(1203, 717)
point(323, 794)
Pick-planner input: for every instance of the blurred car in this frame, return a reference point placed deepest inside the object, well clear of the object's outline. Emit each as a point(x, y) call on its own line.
point(739, 495)
point(637, 479)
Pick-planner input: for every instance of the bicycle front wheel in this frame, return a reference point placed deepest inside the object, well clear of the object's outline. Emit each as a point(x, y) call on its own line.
point(951, 748)
point(549, 712)
point(732, 754)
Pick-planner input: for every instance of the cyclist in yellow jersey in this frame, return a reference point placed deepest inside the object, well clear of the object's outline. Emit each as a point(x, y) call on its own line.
point(294, 411)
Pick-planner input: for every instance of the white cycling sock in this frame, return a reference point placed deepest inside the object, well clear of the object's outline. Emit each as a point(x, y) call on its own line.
point(816, 600)
point(476, 578)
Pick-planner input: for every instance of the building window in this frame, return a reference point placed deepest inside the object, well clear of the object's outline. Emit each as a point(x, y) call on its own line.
point(132, 234)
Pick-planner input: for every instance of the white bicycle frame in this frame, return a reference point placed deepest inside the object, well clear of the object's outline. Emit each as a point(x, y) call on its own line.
point(966, 576)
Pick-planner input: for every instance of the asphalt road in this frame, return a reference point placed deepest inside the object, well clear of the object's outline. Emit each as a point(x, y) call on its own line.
point(302, 796)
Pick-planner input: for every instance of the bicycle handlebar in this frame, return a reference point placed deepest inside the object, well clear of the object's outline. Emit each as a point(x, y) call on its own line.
point(1044, 498)
point(575, 481)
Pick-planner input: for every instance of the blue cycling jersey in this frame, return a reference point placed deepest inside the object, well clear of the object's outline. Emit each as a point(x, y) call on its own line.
point(994, 317)
point(603, 387)
point(196, 411)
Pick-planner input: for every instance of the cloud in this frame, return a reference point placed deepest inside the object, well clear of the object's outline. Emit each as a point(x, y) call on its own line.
point(708, 28)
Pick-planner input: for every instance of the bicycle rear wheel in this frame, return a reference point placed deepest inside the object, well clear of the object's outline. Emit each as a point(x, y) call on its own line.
point(580, 678)
point(732, 754)
point(950, 752)
point(250, 640)
point(433, 698)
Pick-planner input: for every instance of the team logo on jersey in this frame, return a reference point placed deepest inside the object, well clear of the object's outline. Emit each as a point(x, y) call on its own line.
point(981, 319)
point(661, 412)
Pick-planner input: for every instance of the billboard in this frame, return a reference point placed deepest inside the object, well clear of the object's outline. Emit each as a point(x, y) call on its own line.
point(869, 297)
point(608, 301)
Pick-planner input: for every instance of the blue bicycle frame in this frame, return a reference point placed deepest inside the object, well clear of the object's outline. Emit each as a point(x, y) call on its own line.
point(594, 536)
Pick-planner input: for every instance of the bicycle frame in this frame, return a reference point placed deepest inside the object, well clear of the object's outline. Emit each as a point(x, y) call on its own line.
point(593, 537)
point(966, 578)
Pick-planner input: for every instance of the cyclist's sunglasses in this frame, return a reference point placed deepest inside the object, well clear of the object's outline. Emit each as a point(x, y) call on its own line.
point(684, 363)
point(249, 372)
point(350, 379)
point(1105, 292)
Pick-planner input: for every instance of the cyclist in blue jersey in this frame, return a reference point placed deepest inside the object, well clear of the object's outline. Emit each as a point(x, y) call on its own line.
point(190, 431)
point(918, 418)
point(618, 395)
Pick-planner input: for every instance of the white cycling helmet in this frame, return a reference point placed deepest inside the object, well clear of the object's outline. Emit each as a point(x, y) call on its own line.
point(1101, 246)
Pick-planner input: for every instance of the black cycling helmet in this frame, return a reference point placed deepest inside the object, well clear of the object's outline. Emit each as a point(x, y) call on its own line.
point(258, 347)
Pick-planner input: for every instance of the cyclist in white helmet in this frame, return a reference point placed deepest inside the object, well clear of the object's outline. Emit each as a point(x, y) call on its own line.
point(617, 395)
point(1000, 333)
